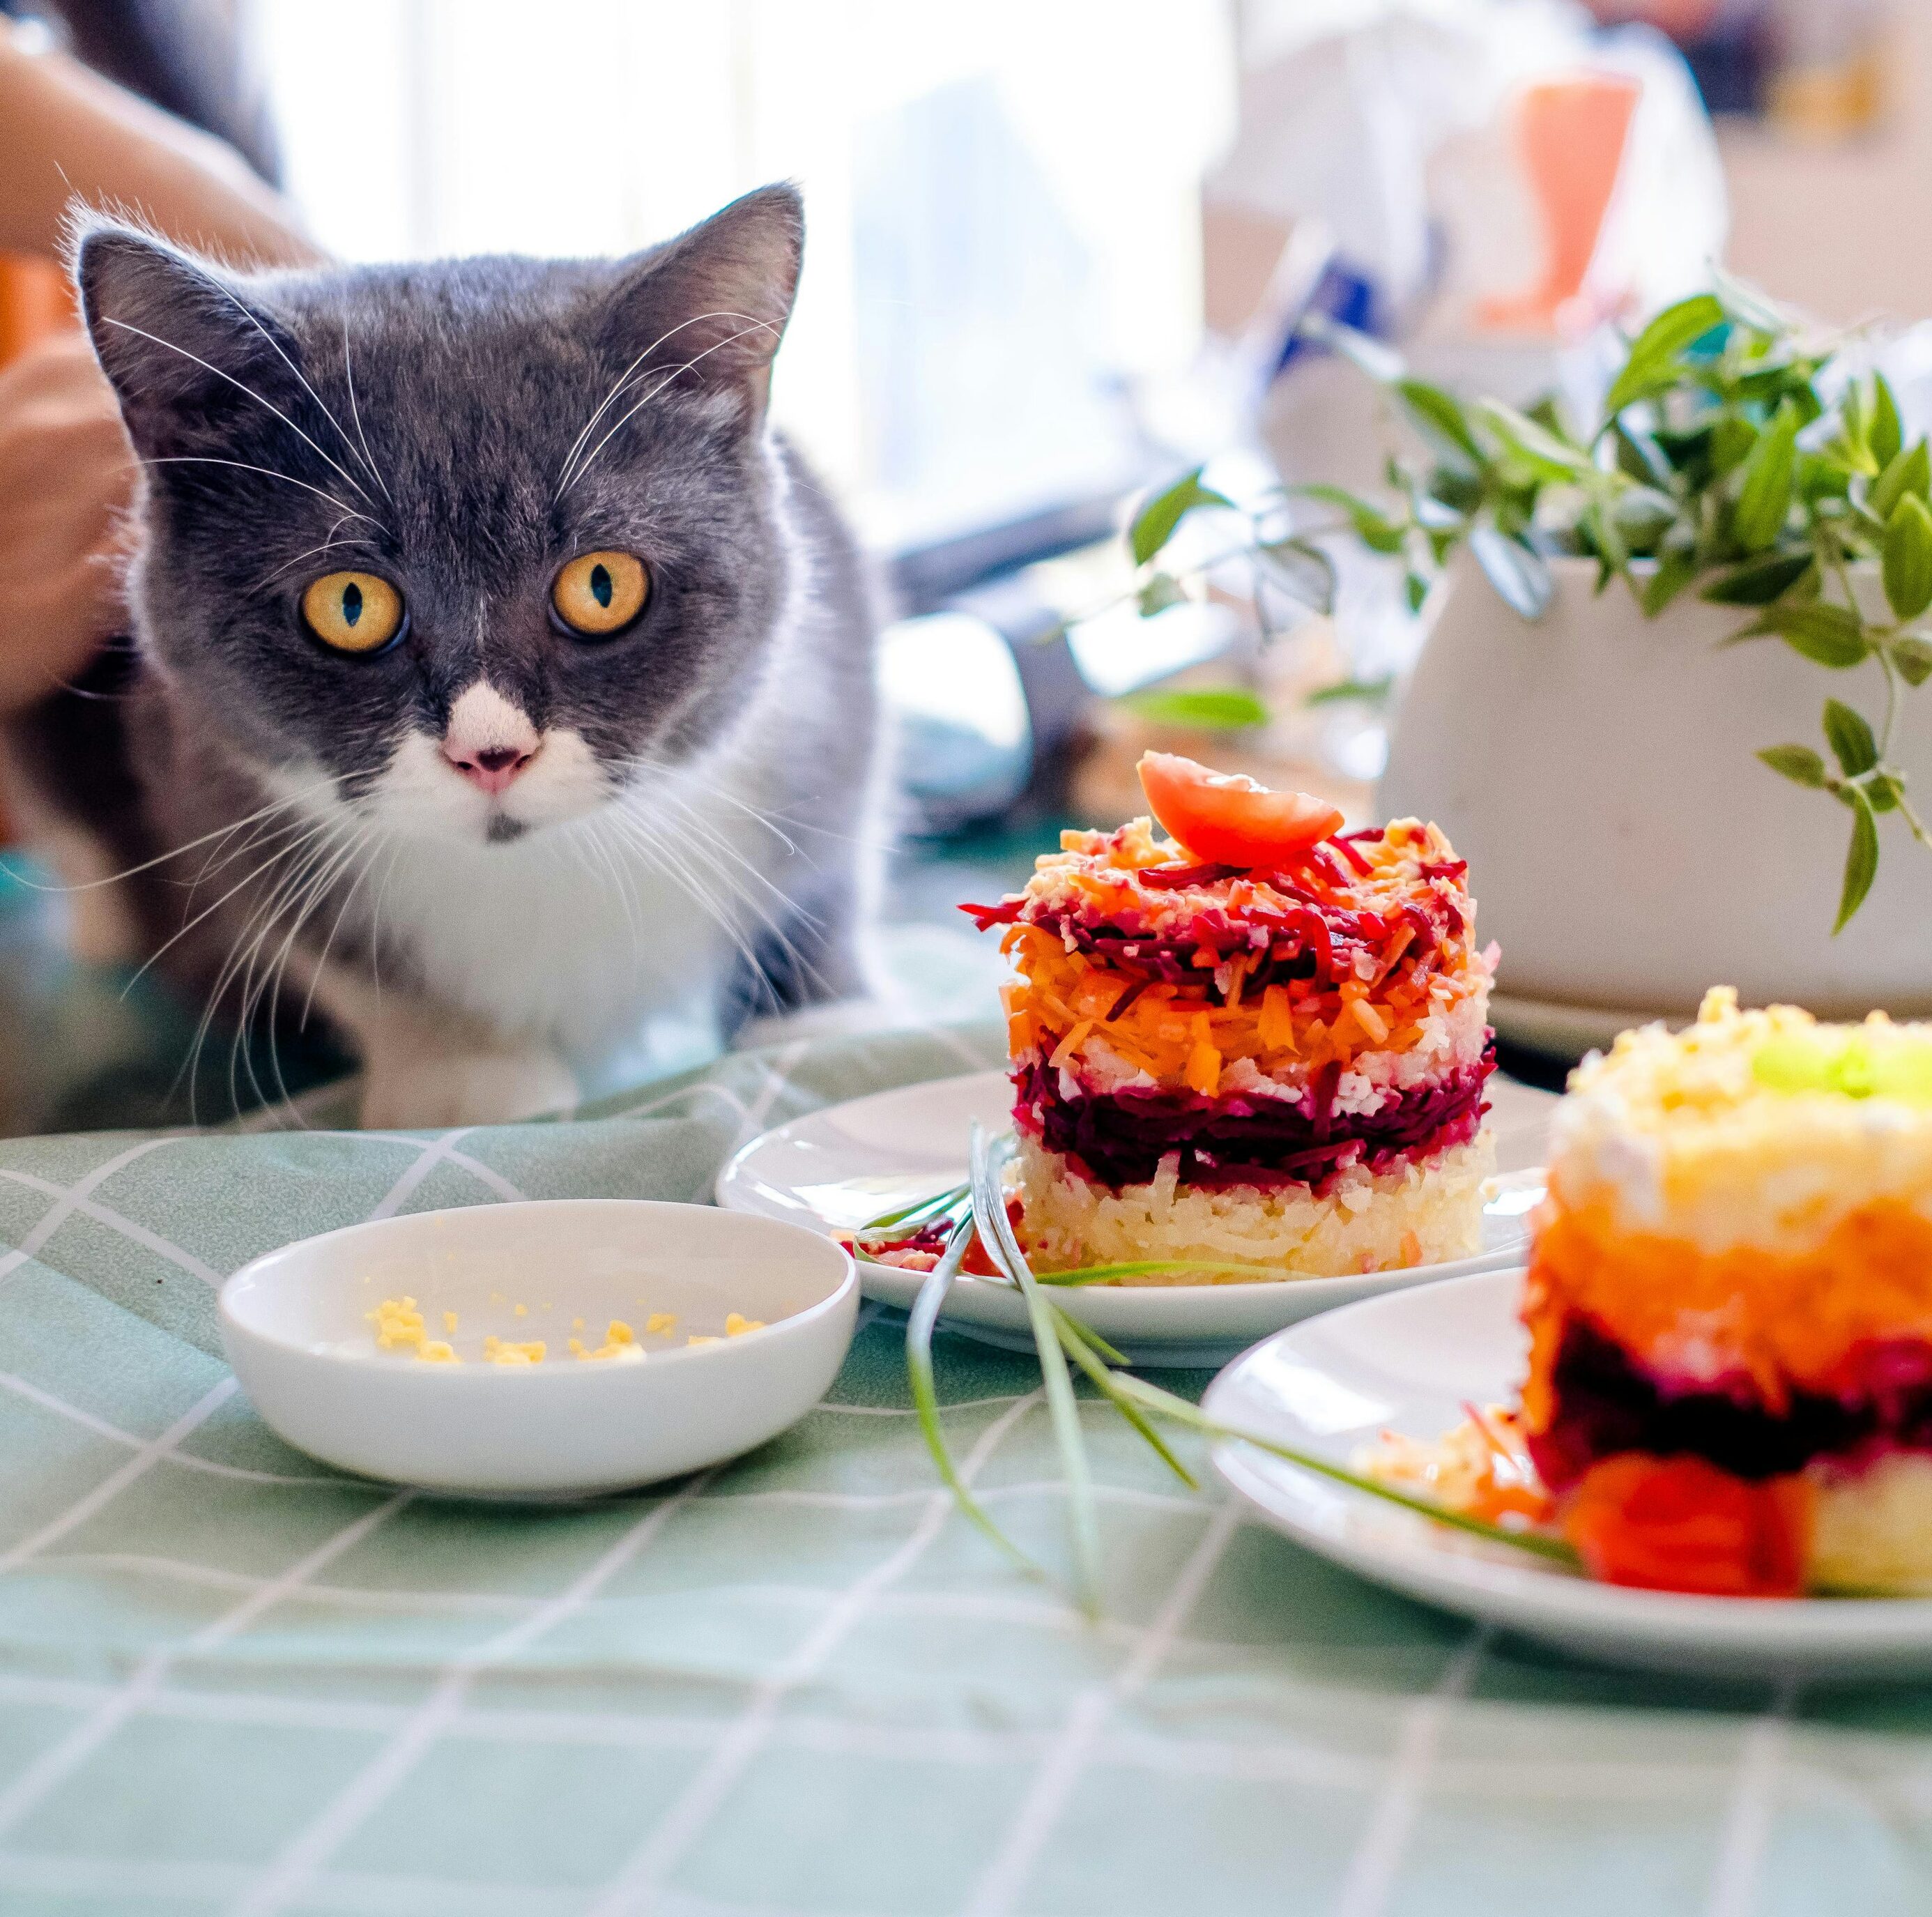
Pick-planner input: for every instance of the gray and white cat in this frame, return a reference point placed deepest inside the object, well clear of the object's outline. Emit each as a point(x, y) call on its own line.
point(500, 677)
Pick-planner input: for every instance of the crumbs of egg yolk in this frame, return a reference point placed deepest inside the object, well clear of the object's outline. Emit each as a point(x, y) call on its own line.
point(397, 1322)
point(736, 1325)
point(697, 1338)
point(660, 1321)
point(449, 1322)
point(506, 1351)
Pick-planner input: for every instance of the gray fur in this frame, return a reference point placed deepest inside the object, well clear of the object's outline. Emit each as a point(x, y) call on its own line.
point(750, 667)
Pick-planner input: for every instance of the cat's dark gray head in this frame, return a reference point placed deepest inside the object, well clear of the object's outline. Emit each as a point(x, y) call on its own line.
point(459, 434)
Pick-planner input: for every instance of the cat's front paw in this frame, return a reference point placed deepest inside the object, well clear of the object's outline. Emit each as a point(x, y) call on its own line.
point(422, 1092)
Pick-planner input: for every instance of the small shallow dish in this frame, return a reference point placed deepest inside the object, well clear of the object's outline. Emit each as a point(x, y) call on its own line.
point(1409, 1362)
point(298, 1334)
point(838, 1169)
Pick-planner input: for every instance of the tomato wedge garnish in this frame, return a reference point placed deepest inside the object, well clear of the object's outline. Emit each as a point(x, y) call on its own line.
point(1226, 819)
point(1679, 1524)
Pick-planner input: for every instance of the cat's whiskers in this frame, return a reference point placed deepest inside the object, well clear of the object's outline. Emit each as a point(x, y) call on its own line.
point(328, 545)
point(162, 858)
point(268, 472)
point(249, 314)
point(300, 850)
point(589, 458)
point(349, 377)
point(242, 386)
point(314, 895)
point(375, 839)
point(623, 381)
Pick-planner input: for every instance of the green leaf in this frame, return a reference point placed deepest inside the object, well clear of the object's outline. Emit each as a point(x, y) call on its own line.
point(1861, 858)
point(1759, 581)
point(1211, 708)
point(1908, 557)
point(1827, 635)
point(1913, 656)
point(1731, 439)
point(1798, 763)
point(1538, 448)
point(1381, 363)
point(1886, 435)
point(1655, 349)
point(1908, 472)
point(1850, 739)
point(1749, 307)
point(1642, 457)
point(1303, 571)
point(1644, 515)
point(1675, 571)
point(1370, 691)
point(1519, 573)
point(1373, 527)
point(1442, 420)
point(1766, 499)
point(1154, 524)
point(1884, 791)
point(1159, 593)
point(996, 1233)
point(920, 1322)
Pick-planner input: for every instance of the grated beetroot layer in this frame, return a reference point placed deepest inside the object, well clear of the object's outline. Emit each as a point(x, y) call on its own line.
point(1607, 1402)
point(1119, 1138)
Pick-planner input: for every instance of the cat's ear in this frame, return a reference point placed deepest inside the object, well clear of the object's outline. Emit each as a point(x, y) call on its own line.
point(174, 339)
point(715, 299)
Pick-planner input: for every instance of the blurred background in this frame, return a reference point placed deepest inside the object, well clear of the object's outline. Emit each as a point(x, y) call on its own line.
point(1060, 253)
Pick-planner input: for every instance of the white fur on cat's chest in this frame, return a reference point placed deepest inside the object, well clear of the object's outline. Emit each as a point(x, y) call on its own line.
point(569, 934)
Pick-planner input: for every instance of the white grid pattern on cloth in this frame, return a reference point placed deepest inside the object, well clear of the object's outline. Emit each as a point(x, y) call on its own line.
point(62, 1209)
point(1041, 1807)
point(299, 1860)
point(54, 1765)
point(1377, 1862)
point(1638, 1781)
point(74, 1200)
point(1747, 1822)
point(637, 1884)
point(117, 1480)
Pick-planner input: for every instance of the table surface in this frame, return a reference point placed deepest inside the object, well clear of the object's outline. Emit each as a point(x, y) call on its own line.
point(232, 1681)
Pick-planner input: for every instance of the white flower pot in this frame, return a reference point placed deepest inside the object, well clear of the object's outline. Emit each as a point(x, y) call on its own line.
point(1625, 846)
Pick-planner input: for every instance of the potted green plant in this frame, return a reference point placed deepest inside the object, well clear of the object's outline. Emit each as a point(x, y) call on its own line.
point(1625, 737)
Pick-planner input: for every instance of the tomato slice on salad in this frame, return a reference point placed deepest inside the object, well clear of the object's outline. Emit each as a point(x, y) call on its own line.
point(1680, 1524)
point(1227, 819)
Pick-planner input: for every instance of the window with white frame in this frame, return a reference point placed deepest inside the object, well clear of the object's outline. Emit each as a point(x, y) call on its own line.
point(1002, 201)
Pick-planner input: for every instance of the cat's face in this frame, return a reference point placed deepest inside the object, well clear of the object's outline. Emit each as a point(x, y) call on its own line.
point(462, 550)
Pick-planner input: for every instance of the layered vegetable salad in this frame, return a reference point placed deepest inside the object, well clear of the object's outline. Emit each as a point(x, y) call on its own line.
point(1256, 1041)
point(1730, 1305)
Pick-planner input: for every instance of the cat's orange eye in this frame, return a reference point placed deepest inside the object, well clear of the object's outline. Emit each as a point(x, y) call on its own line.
point(600, 593)
point(354, 612)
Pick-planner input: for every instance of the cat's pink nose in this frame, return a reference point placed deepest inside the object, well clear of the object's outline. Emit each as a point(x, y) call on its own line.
point(489, 740)
point(491, 767)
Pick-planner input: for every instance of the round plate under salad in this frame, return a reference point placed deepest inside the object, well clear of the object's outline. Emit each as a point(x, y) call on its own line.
point(842, 1168)
point(1411, 1363)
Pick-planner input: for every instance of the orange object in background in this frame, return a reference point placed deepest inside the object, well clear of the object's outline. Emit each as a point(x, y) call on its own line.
point(1572, 133)
point(35, 300)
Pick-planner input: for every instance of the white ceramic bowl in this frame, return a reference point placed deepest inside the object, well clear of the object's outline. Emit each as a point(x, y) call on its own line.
point(296, 1328)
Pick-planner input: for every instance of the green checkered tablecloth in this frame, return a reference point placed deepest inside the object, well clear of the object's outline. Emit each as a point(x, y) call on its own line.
point(231, 1680)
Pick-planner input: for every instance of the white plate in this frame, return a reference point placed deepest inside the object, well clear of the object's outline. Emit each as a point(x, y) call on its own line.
point(1408, 1362)
point(837, 1167)
point(295, 1326)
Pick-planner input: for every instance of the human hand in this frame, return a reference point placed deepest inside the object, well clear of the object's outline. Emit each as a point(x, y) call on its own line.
point(66, 477)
